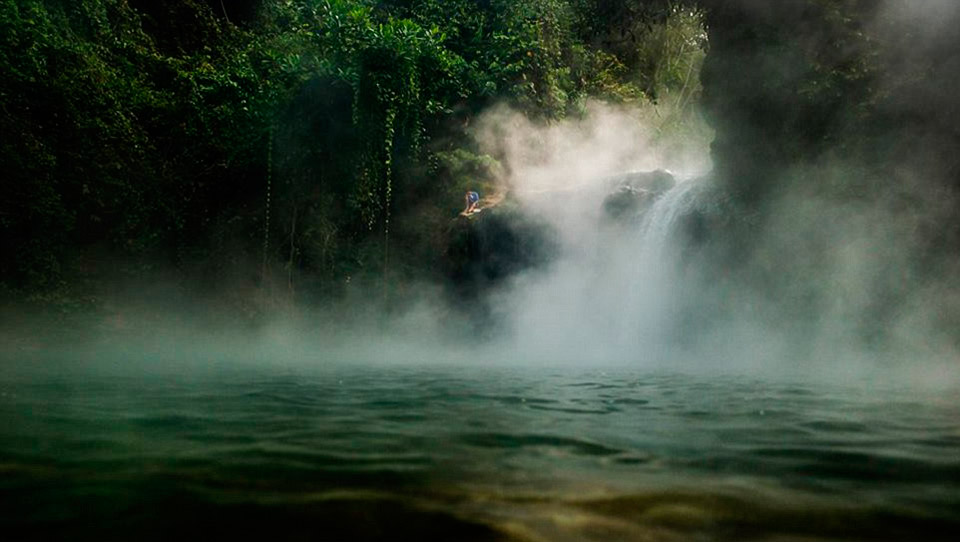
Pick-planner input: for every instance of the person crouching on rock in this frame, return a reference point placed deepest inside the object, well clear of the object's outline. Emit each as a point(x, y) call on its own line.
point(472, 201)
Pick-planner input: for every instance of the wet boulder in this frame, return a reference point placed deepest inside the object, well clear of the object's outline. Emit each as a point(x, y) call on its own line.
point(657, 181)
point(627, 201)
point(630, 194)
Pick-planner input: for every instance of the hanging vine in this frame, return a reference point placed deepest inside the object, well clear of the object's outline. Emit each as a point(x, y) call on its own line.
point(388, 140)
point(266, 207)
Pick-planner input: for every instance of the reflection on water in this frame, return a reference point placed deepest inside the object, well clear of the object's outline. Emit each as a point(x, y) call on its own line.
point(483, 454)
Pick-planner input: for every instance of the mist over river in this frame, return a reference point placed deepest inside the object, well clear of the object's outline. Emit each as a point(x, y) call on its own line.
point(428, 452)
point(512, 270)
point(588, 417)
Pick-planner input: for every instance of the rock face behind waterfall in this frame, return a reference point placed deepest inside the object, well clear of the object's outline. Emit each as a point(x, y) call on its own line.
point(632, 194)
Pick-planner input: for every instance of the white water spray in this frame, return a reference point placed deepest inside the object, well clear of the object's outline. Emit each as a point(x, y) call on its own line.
point(612, 293)
point(661, 220)
point(651, 303)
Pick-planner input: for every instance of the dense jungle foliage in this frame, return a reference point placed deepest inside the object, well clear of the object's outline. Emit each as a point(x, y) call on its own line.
point(298, 143)
point(299, 146)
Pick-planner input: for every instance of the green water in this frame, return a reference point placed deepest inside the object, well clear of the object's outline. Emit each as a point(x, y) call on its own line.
point(471, 454)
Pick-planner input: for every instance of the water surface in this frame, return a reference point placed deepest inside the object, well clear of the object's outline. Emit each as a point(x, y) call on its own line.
point(433, 453)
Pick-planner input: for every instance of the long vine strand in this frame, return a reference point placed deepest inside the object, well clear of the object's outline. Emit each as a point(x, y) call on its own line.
point(388, 185)
point(266, 221)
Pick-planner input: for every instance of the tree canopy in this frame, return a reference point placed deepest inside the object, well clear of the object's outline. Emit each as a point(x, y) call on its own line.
point(222, 133)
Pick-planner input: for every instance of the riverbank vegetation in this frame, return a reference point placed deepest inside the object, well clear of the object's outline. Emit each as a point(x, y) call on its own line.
point(290, 146)
point(277, 152)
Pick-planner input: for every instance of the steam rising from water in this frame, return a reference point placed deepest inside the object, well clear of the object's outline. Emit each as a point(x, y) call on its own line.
point(608, 296)
point(635, 293)
point(624, 293)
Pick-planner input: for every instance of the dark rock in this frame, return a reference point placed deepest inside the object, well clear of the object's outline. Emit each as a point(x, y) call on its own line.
point(657, 181)
point(489, 247)
point(627, 201)
point(484, 251)
point(632, 193)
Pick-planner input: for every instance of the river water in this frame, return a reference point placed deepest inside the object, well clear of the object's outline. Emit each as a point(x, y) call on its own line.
point(482, 453)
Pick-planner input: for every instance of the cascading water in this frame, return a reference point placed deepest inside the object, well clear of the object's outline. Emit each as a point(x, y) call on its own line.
point(612, 293)
point(650, 302)
point(660, 221)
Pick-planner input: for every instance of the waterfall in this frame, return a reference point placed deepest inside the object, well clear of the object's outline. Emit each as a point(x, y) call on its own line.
point(650, 300)
point(660, 220)
point(612, 293)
